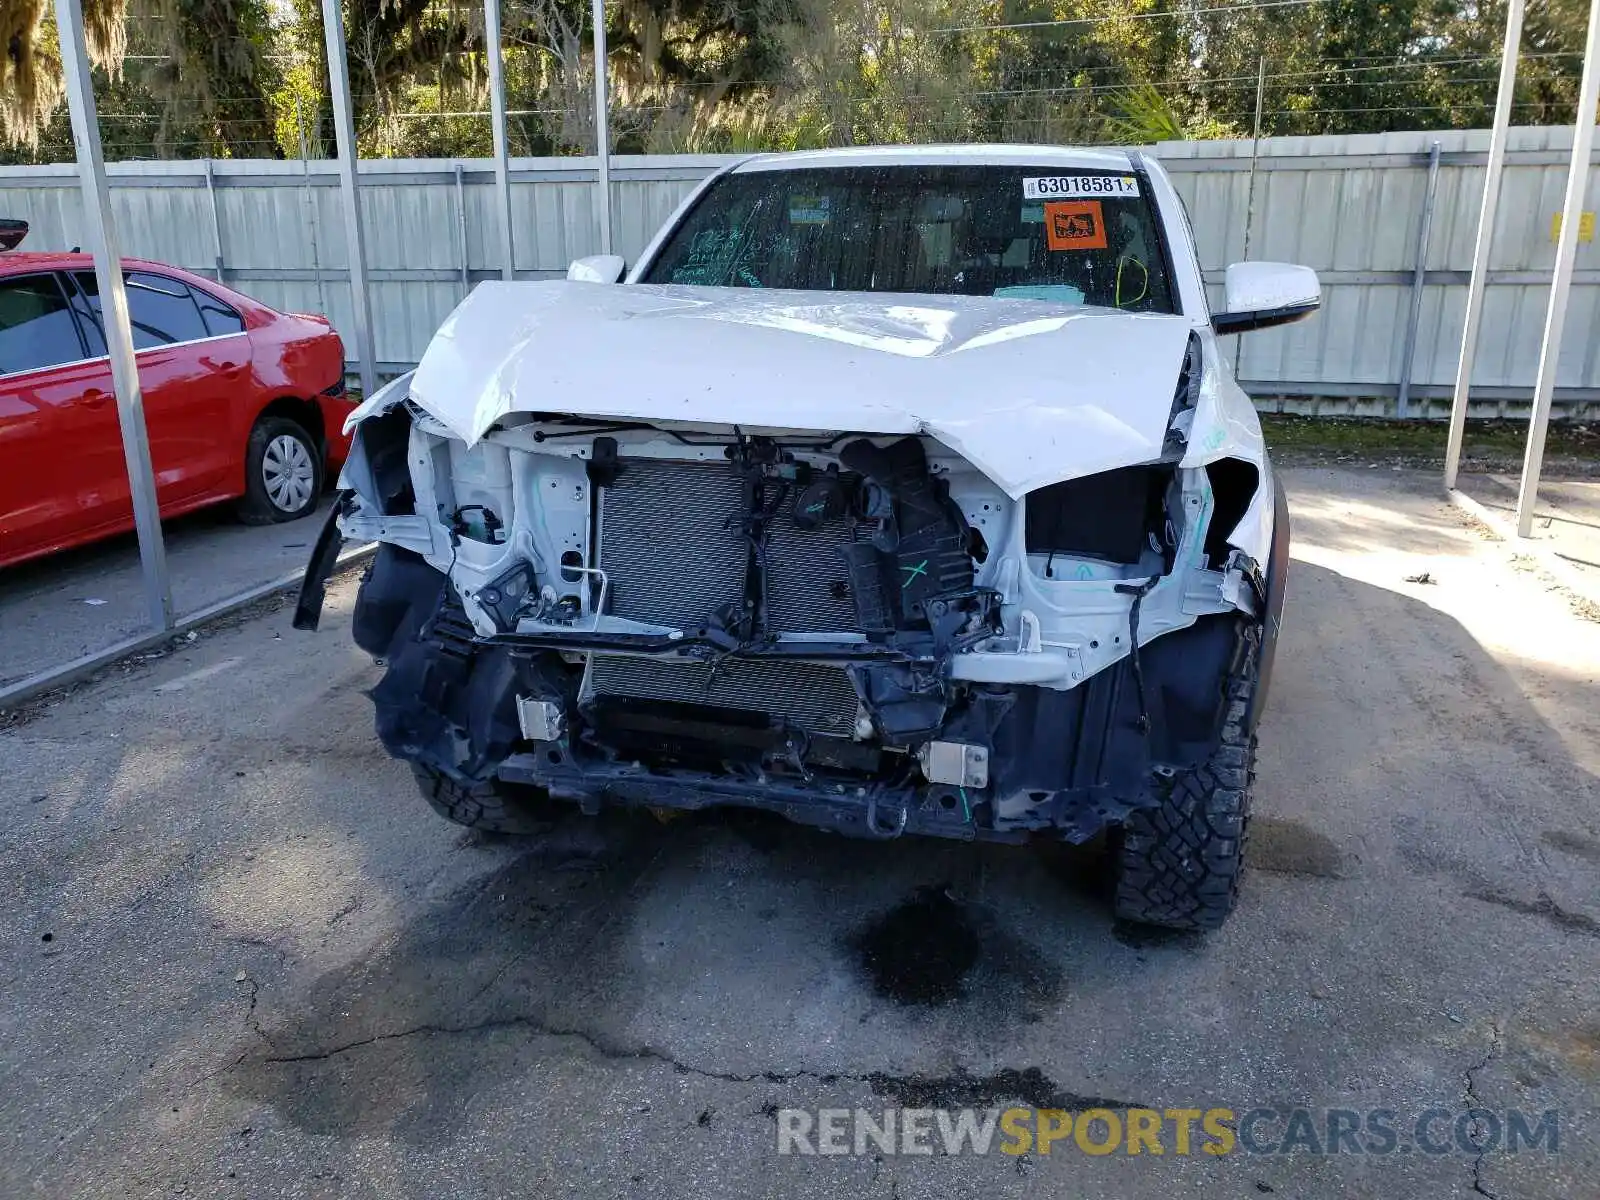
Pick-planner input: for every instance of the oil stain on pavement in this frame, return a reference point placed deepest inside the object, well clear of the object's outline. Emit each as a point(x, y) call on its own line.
point(920, 951)
point(933, 949)
point(1029, 1086)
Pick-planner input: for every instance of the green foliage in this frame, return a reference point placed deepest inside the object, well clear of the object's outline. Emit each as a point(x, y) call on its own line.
point(177, 78)
point(1142, 116)
point(248, 77)
point(296, 103)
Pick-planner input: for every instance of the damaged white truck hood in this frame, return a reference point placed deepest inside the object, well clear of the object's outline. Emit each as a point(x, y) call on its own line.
point(1029, 392)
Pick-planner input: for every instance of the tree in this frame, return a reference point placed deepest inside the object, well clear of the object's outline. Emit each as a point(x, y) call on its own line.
point(248, 77)
point(212, 72)
point(30, 72)
point(187, 76)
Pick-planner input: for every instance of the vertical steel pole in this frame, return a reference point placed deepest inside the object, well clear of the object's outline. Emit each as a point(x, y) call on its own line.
point(216, 219)
point(497, 108)
point(344, 129)
point(1480, 252)
point(1418, 275)
point(114, 310)
point(1566, 254)
point(602, 127)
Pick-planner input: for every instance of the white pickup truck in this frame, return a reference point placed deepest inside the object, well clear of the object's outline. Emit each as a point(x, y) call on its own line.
point(895, 490)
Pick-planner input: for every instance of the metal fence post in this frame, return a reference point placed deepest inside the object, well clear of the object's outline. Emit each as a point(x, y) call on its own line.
point(344, 128)
point(216, 219)
point(114, 310)
point(602, 128)
point(461, 229)
point(1480, 250)
point(1250, 194)
point(1255, 154)
point(1418, 277)
point(311, 208)
point(497, 110)
point(1561, 282)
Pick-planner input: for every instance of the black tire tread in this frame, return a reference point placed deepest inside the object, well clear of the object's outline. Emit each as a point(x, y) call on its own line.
point(1180, 862)
point(486, 806)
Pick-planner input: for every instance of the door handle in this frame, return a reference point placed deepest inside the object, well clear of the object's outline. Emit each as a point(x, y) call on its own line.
point(96, 398)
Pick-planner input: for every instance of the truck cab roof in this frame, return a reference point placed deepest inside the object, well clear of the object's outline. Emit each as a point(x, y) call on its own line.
point(1000, 155)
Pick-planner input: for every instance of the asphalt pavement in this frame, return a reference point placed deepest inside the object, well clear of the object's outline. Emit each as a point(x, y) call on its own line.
point(56, 609)
point(241, 958)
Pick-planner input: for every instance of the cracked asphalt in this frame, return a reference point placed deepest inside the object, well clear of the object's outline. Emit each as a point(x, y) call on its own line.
point(241, 958)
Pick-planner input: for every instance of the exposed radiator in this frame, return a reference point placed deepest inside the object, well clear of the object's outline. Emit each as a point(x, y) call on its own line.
point(814, 696)
point(672, 551)
point(670, 547)
point(665, 543)
point(807, 582)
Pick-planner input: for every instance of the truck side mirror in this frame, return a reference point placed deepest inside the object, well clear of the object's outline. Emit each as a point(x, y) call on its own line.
point(597, 268)
point(1263, 294)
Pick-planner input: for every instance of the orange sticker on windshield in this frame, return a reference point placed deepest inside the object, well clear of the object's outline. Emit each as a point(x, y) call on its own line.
point(1074, 225)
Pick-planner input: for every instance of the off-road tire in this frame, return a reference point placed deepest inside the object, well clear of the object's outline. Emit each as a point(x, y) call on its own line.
point(488, 807)
point(1179, 863)
point(256, 506)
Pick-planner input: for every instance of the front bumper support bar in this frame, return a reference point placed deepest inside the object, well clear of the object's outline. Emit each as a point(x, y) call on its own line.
point(870, 811)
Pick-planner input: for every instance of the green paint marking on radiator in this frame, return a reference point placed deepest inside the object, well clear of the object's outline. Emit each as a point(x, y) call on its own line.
point(920, 569)
point(818, 507)
point(965, 807)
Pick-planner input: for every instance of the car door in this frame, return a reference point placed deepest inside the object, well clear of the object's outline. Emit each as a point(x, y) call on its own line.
point(61, 460)
point(189, 377)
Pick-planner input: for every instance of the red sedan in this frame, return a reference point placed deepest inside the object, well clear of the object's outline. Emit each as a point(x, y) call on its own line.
point(242, 403)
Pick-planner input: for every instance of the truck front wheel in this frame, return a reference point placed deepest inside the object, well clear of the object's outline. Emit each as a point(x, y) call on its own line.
point(487, 806)
point(1179, 863)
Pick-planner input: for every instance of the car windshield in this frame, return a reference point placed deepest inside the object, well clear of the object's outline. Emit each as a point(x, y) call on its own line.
point(1037, 233)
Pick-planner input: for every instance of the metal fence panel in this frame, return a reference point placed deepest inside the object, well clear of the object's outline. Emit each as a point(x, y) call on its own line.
point(1350, 206)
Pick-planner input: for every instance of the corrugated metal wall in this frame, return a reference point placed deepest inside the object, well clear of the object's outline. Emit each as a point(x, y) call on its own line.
point(1348, 206)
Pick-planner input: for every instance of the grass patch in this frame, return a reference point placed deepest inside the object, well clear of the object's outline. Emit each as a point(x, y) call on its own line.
point(1494, 445)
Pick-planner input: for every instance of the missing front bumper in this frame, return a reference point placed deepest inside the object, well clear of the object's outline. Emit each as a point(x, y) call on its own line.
point(1061, 763)
point(867, 811)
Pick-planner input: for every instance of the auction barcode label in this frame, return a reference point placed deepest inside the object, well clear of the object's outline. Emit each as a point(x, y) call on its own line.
point(1077, 187)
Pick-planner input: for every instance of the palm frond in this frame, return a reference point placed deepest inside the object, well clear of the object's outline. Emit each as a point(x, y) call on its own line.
point(1143, 116)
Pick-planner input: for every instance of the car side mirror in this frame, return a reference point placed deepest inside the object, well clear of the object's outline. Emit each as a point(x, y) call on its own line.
point(597, 268)
point(1263, 294)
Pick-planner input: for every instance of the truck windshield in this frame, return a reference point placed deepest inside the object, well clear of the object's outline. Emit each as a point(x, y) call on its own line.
point(1038, 233)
